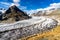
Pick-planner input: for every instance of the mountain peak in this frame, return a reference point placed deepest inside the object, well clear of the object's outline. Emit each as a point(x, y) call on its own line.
point(13, 6)
point(15, 13)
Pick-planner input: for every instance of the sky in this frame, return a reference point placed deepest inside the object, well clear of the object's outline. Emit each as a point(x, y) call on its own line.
point(35, 4)
point(30, 5)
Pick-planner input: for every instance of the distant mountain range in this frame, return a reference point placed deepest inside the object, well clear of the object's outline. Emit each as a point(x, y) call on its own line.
point(47, 12)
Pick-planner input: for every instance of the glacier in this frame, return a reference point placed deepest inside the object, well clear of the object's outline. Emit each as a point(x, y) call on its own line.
point(25, 28)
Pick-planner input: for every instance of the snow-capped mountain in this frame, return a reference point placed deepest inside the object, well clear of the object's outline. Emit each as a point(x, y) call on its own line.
point(45, 12)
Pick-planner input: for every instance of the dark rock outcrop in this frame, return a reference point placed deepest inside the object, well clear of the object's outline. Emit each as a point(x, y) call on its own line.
point(15, 13)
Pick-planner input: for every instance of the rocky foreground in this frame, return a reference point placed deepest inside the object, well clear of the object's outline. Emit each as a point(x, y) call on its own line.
point(53, 34)
point(26, 28)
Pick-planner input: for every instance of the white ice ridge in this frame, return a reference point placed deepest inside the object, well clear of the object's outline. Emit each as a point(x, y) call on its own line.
point(45, 22)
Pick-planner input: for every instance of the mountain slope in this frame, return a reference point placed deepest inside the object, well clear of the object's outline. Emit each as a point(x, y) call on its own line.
point(56, 12)
point(47, 13)
point(14, 14)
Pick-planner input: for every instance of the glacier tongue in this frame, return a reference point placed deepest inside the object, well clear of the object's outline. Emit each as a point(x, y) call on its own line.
point(26, 28)
point(42, 20)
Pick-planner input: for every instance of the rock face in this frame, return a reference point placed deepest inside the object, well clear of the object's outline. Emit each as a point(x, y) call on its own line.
point(38, 26)
point(15, 14)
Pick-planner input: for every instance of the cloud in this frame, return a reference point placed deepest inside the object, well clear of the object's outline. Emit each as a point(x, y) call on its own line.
point(23, 7)
point(4, 3)
point(15, 4)
point(51, 6)
point(55, 5)
point(16, 1)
